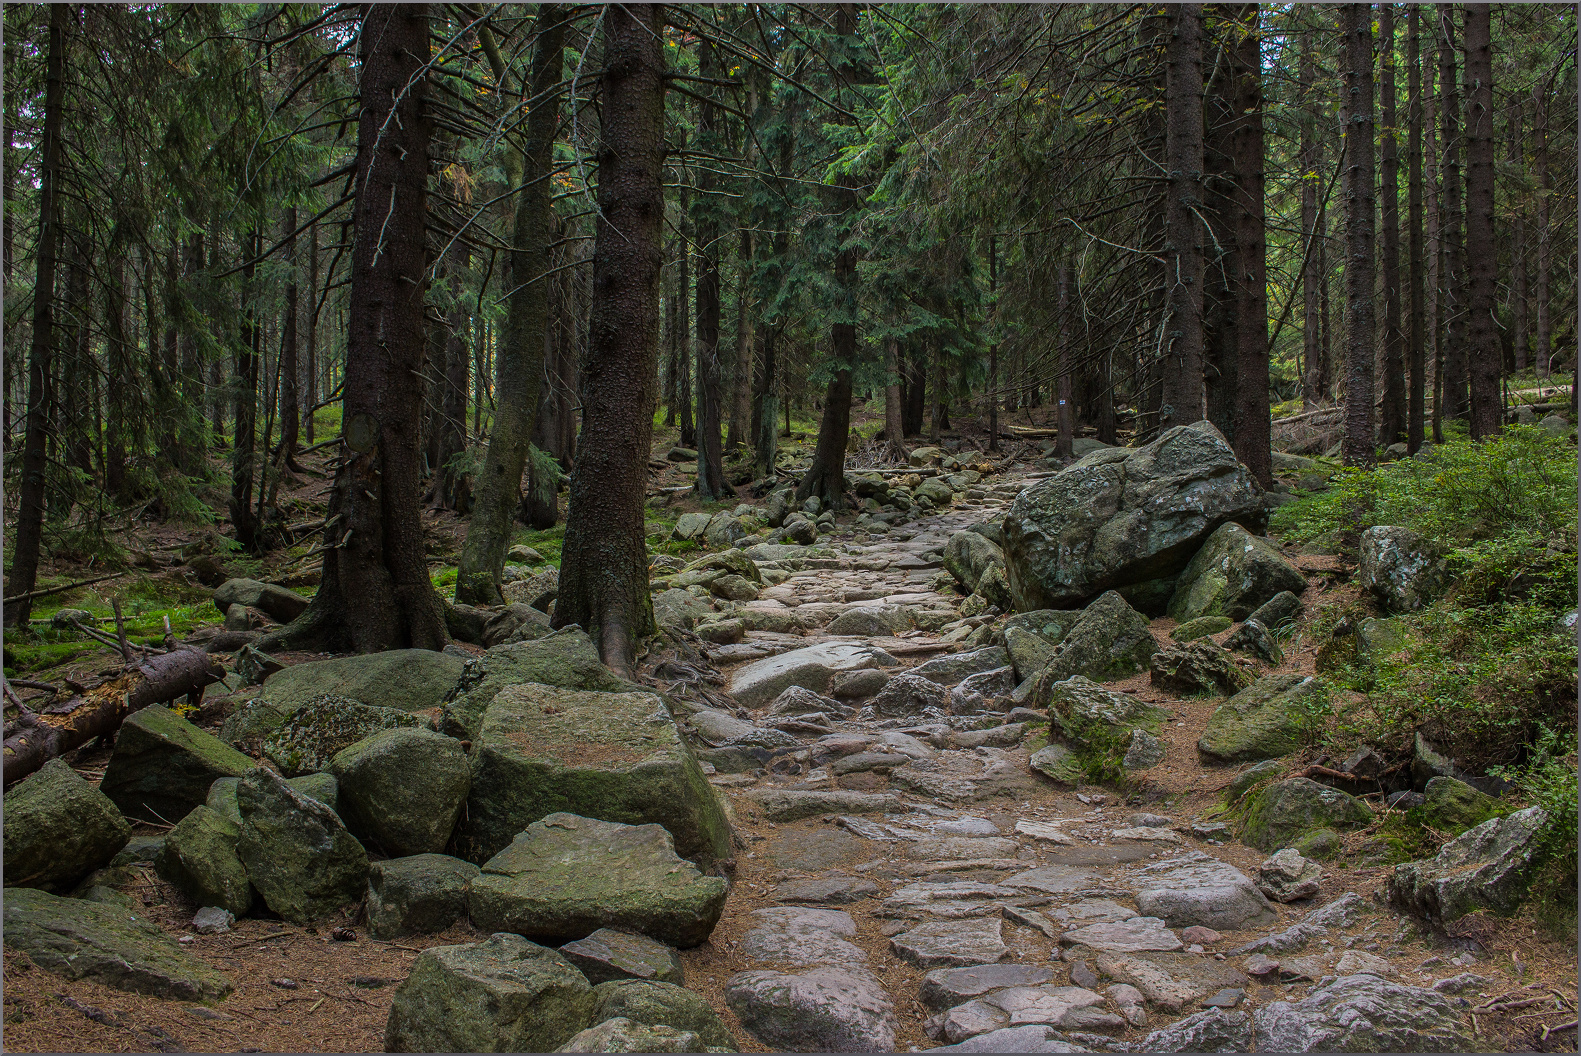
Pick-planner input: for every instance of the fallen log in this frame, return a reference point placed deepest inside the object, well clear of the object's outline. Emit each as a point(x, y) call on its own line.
point(35, 738)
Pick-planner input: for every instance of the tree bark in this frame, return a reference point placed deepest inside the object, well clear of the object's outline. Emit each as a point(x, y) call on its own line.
point(375, 593)
point(521, 351)
point(1221, 249)
point(1416, 340)
point(1360, 204)
point(711, 484)
point(1520, 278)
point(938, 420)
point(1432, 207)
point(310, 401)
point(1483, 353)
point(23, 575)
point(1064, 418)
point(1392, 410)
point(894, 428)
point(993, 354)
point(1181, 391)
point(683, 308)
point(913, 392)
point(1545, 186)
point(1251, 434)
point(1452, 273)
point(244, 521)
point(741, 378)
point(604, 566)
point(290, 401)
point(1311, 163)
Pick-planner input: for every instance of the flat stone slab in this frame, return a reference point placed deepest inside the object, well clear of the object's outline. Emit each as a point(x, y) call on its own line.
point(935, 848)
point(1172, 982)
point(1093, 911)
point(1052, 879)
point(421, 894)
point(1137, 935)
point(811, 668)
point(792, 805)
point(946, 987)
point(1013, 1039)
point(1197, 889)
point(801, 937)
point(826, 890)
point(951, 943)
point(566, 877)
point(609, 954)
point(823, 1010)
point(1070, 1007)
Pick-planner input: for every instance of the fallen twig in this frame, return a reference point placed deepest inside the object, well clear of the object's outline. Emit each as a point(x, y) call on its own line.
point(62, 589)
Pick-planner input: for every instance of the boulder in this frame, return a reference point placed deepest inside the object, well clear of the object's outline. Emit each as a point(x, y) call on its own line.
point(1214, 1030)
point(501, 995)
point(1197, 667)
point(614, 756)
point(691, 525)
point(1279, 611)
point(1110, 641)
point(403, 790)
point(609, 954)
point(406, 679)
point(222, 794)
point(983, 691)
point(1051, 625)
point(1454, 806)
point(1266, 720)
point(1057, 763)
point(1091, 716)
point(658, 1003)
point(1171, 982)
point(1253, 775)
point(794, 935)
point(514, 623)
point(1144, 752)
point(951, 943)
point(935, 491)
point(1488, 867)
point(567, 658)
point(967, 555)
point(1285, 810)
point(722, 632)
point(945, 988)
point(309, 737)
point(199, 858)
point(1287, 876)
point(799, 530)
point(1363, 1013)
point(1119, 517)
point(417, 895)
point(950, 669)
point(1134, 935)
point(813, 667)
point(1400, 568)
point(107, 943)
point(1233, 574)
point(795, 804)
point(1198, 890)
point(853, 684)
point(523, 555)
point(534, 589)
point(298, 854)
point(723, 531)
point(735, 745)
point(870, 621)
point(1070, 1007)
point(162, 765)
point(567, 876)
point(58, 829)
point(676, 608)
point(1029, 653)
point(1254, 638)
point(278, 603)
point(627, 1035)
point(828, 1009)
point(909, 694)
point(1201, 627)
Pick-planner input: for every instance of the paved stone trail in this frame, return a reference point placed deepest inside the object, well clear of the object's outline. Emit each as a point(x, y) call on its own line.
point(905, 880)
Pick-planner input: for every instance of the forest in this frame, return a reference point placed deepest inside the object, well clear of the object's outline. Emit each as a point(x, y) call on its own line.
point(933, 403)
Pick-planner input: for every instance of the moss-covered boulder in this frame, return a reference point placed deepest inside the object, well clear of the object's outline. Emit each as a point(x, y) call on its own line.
point(1488, 867)
point(567, 658)
point(608, 954)
point(1201, 666)
point(1051, 625)
point(58, 829)
point(108, 943)
point(566, 876)
point(1091, 716)
point(415, 680)
point(280, 604)
point(1057, 763)
point(660, 1004)
point(614, 756)
point(1252, 776)
point(1400, 568)
point(1110, 641)
point(967, 555)
point(1200, 627)
point(163, 766)
point(298, 854)
point(310, 736)
point(1454, 806)
point(1232, 575)
point(1285, 810)
point(417, 895)
point(501, 995)
point(1266, 720)
point(199, 858)
point(403, 790)
point(1029, 653)
point(322, 787)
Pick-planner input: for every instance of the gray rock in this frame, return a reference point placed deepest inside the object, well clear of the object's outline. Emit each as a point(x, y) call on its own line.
point(1013, 1039)
point(501, 995)
point(1363, 1013)
point(238, 618)
point(826, 890)
point(1121, 516)
point(1069, 1007)
point(1058, 763)
point(983, 691)
point(199, 858)
point(722, 632)
point(403, 789)
point(1555, 425)
point(1287, 809)
point(567, 659)
point(813, 667)
point(1252, 637)
point(514, 623)
point(1488, 867)
point(871, 620)
point(1201, 666)
point(948, 670)
point(946, 987)
point(140, 850)
point(222, 794)
point(537, 589)
point(297, 852)
point(58, 829)
point(856, 684)
point(676, 608)
point(1287, 877)
point(1212, 1031)
point(567, 876)
point(801, 937)
point(968, 555)
point(1459, 984)
point(1244, 781)
point(795, 804)
point(1170, 981)
point(823, 1010)
point(1453, 806)
point(799, 701)
point(609, 954)
point(1231, 575)
point(1090, 715)
point(658, 1003)
point(625, 1035)
point(719, 729)
point(909, 694)
point(1136, 935)
point(1265, 720)
point(1145, 751)
point(418, 895)
point(407, 679)
point(1110, 641)
point(1340, 913)
point(106, 943)
point(307, 740)
point(278, 603)
point(951, 943)
point(212, 920)
point(692, 525)
point(163, 765)
point(1400, 569)
point(1201, 627)
point(1279, 611)
point(1029, 653)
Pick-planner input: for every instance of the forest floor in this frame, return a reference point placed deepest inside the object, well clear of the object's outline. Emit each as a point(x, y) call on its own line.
point(299, 989)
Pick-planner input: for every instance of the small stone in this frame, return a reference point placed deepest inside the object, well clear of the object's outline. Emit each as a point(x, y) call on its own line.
point(1261, 966)
point(1197, 933)
point(609, 954)
point(1353, 961)
point(1287, 877)
point(1129, 936)
point(1082, 975)
point(946, 987)
point(211, 920)
point(1227, 998)
point(951, 943)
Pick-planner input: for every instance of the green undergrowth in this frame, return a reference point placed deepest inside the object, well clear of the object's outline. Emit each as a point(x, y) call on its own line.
point(42, 647)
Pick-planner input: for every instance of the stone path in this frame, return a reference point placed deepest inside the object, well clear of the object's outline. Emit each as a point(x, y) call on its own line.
point(904, 880)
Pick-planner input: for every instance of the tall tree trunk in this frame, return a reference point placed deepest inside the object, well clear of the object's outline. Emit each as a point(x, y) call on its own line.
point(119, 376)
point(290, 398)
point(1360, 206)
point(310, 400)
point(1311, 165)
point(244, 521)
point(452, 486)
point(894, 427)
point(683, 339)
point(604, 566)
point(1452, 272)
point(1181, 392)
point(938, 420)
point(1064, 420)
point(1545, 186)
point(23, 575)
point(1392, 411)
point(1221, 264)
point(993, 351)
point(741, 377)
point(711, 482)
point(375, 592)
point(1416, 341)
point(766, 409)
point(1432, 206)
point(190, 452)
point(521, 351)
point(1483, 352)
point(1251, 434)
point(1520, 252)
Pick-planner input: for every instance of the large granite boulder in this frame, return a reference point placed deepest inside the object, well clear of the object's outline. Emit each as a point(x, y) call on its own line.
point(1400, 568)
point(504, 994)
point(627, 1035)
point(280, 604)
point(163, 766)
point(1195, 889)
point(199, 858)
point(1285, 810)
point(417, 895)
point(1110, 641)
point(1121, 517)
point(677, 609)
point(222, 794)
point(910, 694)
point(415, 680)
point(1266, 720)
point(1201, 666)
point(566, 876)
point(1090, 715)
point(1450, 805)
point(107, 943)
point(814, 668)
point(298, 854)
point(1488, 867)
point(1233, 574)
point(310, 736)
point(403, 790)
point(58, 829)
point(567, 658)
point(614, 756)
point(969, 554)
point(608, 954)
point(1364, 1013)
point(829, 1009)
point(657, 1003)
